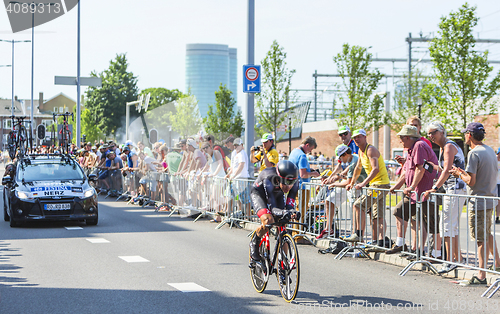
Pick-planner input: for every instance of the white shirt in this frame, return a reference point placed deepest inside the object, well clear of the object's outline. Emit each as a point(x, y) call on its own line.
point(236, 159)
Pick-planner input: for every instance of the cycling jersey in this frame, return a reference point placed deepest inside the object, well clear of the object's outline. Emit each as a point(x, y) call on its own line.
point(266, 193)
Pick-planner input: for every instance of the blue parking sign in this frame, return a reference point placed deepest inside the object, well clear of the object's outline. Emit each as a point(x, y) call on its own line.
point(251, 78)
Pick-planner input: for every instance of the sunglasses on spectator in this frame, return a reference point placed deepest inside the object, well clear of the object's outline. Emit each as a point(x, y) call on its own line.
point(432, 133)
point(343, 134)
point(204, 148)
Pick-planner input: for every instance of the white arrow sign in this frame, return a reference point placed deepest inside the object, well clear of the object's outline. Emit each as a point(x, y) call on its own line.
point(250, 86)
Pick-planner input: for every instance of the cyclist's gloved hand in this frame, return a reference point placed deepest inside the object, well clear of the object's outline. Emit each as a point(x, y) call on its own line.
point(297, 214)
point(278, 212)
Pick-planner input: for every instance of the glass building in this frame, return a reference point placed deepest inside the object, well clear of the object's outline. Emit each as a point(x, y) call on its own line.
point(207, 66)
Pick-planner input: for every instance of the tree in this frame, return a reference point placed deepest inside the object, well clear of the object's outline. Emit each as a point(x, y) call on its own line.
point(161, 104)
point(461, 91)
point(186, 120)
point(408, 101)
point(223, 121)
point(89, 126)
point(275, 87)
point(358, 108)
point(107, 103)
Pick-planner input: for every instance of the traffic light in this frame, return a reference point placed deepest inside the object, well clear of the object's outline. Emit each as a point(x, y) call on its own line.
point(40, 131)
point(153, 136)
point(84, 137)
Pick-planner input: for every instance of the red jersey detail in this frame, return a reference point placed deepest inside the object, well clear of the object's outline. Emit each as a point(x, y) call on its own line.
point(290, 201)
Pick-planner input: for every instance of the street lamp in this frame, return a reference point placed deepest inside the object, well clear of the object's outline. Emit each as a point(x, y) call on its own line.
point(12, 66)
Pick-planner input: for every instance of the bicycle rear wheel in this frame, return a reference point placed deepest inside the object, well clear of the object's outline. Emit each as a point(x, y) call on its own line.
point(22, 139)
point(288, 273)
point(259, 271)
point(11, 144)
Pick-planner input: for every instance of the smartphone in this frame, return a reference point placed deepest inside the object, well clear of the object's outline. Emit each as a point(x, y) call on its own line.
point(428, 166)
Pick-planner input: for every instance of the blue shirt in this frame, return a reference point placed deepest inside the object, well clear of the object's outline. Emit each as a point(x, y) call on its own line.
point(354, 148)
point(299, 158)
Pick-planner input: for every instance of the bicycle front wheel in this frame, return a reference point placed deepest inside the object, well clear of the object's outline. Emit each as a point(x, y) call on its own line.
point(22, 138)
point(259, 271)
point(288, 268)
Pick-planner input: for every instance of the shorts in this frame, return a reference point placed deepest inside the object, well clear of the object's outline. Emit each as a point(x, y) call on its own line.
point(338, 196)
point(405, 210)
point(452, 210)
point(374, 201)
point(152, 183)
point(103, 174)
point(481, 230)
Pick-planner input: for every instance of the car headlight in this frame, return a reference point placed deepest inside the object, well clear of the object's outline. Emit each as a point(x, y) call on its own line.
point(23, 195)
point(88, 193)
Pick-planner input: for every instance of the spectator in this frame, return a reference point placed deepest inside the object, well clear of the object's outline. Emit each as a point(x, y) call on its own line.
point(228, 149)
point(173, 159)
point(186, 157)
point(416, 122)
point(211, 140)
point(299, 159)
point(266, 154)
point(373, 202)
point(198, 160)
point(339, 194)
point(214, 164)
point(239, 170)
point(146, 150)
point(345, 136)
point(130, 167)
point(450, 154)
point(480, 177)
point(417, 180)
point(148, 166)
point(321, 158)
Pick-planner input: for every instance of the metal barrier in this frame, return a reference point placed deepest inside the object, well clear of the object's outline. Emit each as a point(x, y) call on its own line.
point(343, 214)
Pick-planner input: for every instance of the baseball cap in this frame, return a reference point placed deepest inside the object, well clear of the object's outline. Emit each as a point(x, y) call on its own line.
point(343, 129)
point(341, 149)
point(129, 142)
point(104, 146)
point(238, 141)
point(358, 132)
point(183, 142)
point(267, 137)
point(230, 139)
point(177, 146)
point(193, 143)
point(474, 127)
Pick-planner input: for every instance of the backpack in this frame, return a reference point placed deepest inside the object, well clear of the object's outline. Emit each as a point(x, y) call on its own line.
point(224, 161)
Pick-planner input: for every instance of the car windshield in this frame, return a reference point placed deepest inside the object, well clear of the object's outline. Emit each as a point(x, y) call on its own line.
point(50, 172)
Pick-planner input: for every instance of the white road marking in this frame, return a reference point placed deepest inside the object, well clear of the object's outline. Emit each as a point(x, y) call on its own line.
point(133, 259)
point(97, 240)
point(188, 287)
point(73, 228)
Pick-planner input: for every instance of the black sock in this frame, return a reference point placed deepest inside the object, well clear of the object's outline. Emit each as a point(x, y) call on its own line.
point(380, 243)
point(359, 233)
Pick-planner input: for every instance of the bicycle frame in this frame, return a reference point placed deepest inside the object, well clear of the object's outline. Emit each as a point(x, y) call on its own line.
point(265, 240)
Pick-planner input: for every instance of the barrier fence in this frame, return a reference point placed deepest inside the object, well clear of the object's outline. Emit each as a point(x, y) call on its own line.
point(442, 229)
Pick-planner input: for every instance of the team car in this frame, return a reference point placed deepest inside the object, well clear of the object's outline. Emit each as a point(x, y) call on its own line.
point(48, 187)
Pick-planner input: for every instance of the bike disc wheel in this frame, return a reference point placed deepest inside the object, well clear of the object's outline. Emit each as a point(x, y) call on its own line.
point(259, 273)
point(288, 265)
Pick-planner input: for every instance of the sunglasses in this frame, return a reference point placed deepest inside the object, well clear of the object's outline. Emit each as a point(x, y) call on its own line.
point(432, 133)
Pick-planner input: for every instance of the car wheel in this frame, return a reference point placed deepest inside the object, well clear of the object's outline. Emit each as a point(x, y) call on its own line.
point(92, 222)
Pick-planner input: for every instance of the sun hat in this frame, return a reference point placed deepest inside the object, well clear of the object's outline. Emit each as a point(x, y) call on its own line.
point(409, 130)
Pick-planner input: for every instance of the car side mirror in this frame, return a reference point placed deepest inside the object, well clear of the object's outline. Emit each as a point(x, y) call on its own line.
point(6, 180)
point(92, 177)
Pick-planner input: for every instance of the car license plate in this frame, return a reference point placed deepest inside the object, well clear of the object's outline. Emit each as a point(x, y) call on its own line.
point(64, 206)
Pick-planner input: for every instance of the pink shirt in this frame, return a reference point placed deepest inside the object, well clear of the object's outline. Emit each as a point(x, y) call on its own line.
point(198, 154)
point(427, 141)
point(416, 156)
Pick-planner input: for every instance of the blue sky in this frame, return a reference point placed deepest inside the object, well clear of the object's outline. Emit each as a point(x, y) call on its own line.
point(154, 34)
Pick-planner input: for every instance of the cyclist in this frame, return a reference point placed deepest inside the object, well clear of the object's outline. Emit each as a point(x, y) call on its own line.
point(268, 199)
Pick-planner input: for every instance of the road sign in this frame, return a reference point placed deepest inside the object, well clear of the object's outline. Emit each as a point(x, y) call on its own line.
point(84, 81)
point(251, 78)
